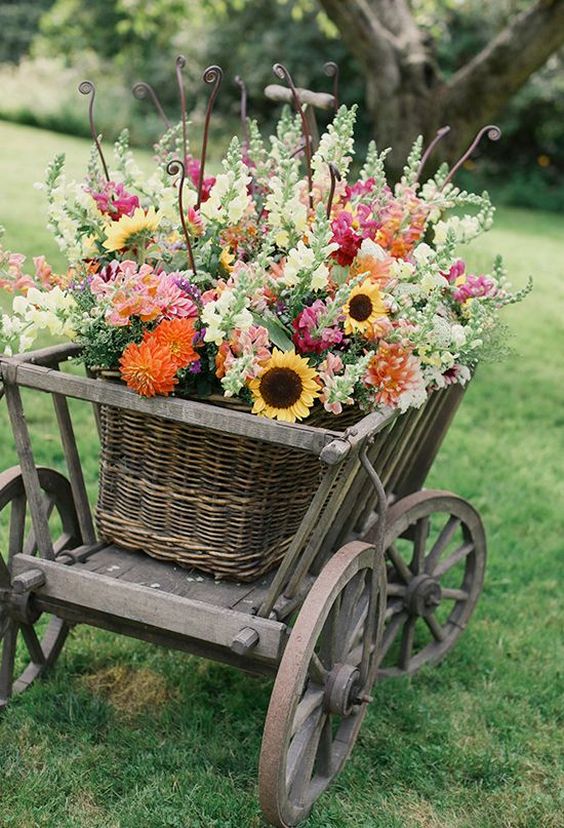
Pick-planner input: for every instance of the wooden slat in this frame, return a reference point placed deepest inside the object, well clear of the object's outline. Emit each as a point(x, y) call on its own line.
point(171, 613)
point(138, 568)
point(74, 467)
point(313, 440)
point(29, 471)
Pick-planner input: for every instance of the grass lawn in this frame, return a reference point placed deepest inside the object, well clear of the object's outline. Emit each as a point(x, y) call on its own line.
point(128, 736)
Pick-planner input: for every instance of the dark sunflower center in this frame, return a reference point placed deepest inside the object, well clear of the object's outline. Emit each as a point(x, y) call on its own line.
point(281, 387)
point(360, 307)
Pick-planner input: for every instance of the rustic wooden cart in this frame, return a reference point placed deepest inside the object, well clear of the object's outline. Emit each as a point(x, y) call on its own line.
point(380, 578)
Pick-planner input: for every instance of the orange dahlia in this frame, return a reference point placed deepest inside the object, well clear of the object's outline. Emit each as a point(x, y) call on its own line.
point(148, 368)
point(178, 336)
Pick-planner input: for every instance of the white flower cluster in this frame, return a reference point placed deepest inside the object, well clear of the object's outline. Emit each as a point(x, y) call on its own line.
point(229, 197)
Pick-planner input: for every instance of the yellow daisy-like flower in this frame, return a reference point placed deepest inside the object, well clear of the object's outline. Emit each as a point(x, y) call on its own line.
point(286, 388)
point(363, 308)
point(131, 230)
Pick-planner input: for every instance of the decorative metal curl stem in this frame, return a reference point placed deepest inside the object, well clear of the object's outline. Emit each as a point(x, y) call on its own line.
point(173, 168)
point(244, 124)
point(213, 74)
point(86, 87)
point(335, 176)
point(281, 72)
point(428, 152)
point(332, 70)
point(494, 134)
point(180, 64)
point(141, 90)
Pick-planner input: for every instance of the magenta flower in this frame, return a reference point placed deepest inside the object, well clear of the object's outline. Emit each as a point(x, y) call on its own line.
point(348, 239)
point(456, 270)
point(115, 201)
point(305, 337)
point(193, 172)
point(475, 287)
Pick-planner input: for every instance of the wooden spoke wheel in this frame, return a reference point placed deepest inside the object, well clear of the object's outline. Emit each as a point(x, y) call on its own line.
point(435, 560)
point(29, 641)
point(320, 695)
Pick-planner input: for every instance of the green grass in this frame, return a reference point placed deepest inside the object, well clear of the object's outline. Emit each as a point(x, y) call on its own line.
point(474, 743)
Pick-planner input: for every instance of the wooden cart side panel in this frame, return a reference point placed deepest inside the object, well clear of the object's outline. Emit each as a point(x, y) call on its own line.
point(417, 464)
point(309, 439)
point(143, 605)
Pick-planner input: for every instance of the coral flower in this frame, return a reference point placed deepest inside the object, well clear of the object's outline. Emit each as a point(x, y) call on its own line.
point(132, 230)
point(393, 371)
point(178, 336)
point(148, 368)
point(363, 308)
point(286, 387)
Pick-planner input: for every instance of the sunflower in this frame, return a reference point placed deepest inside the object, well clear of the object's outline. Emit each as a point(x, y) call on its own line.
point(131, 230)
point(148, 368)
point(286, 387)
point(364, 306)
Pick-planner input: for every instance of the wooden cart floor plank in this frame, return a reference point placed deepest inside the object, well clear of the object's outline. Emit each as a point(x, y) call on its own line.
point(138, 568)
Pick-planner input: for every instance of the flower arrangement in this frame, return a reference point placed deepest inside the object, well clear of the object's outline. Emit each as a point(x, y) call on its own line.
point(291, 279)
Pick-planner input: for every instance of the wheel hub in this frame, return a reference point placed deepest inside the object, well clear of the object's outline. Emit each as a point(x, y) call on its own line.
point(342, 690)
point(423, 595)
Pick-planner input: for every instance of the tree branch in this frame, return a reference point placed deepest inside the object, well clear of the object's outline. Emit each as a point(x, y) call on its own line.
point(362, 31)
point(480, 89)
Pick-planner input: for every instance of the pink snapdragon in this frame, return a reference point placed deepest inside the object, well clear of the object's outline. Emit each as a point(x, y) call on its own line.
point(306, 338)
point(475, 287)
point(347, 237)
point(193, 172)
point(113, 200)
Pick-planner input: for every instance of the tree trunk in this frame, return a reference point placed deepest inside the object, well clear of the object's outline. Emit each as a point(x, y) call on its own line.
point(406, 94)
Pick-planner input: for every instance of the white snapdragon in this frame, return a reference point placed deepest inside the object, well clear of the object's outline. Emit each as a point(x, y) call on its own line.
point(229, 199)
point(300, 258)
point(222, 315)
point(286, 211)
point(46, 310)
point(464, 228)
point(423, 254)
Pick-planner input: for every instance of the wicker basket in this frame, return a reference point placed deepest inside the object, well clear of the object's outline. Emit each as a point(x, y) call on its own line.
point(224, 504)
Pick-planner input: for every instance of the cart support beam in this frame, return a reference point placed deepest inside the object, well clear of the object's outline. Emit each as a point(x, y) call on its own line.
point(151, 607)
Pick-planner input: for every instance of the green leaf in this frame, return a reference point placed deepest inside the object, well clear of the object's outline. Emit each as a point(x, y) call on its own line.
point(276, 332)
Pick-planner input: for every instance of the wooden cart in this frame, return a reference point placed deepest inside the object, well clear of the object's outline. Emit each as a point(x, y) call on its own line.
point(380, 579)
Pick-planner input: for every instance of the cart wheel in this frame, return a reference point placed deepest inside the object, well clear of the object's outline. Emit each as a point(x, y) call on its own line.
point(435, 559)
point(28, 648)
point(321, 690)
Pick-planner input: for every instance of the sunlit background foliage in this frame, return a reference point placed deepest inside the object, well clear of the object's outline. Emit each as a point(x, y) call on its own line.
point(48, 46)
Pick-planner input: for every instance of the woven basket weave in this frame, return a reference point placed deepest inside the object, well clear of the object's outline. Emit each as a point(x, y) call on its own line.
point(224, 504)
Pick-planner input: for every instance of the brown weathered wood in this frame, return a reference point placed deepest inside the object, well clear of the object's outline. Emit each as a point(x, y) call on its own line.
point(251, 663)
point(415, 473)
point(281, 94)
point(74, 467)
point(306, 438)
point(136, 567)
point(29, 470)
point(172, 613)
point(31, 579)
point(290, 558)
point(51, 356)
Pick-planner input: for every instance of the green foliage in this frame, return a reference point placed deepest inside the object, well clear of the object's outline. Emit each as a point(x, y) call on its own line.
point(19, 23)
